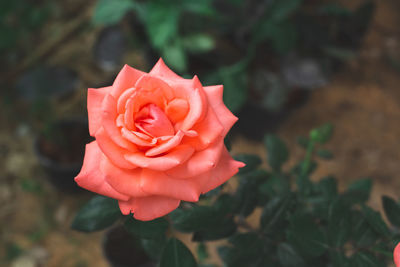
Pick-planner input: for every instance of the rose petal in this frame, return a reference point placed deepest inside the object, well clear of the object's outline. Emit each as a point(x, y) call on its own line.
point(177, 109)
point(177, 156)
point(225, 169)
point(109, 117)
point(113, 152)
point(126, 78)
point(123, 99)
point(167, 146)
point(209, 130)
point(196, 110)
point(90, 176)
point(161, 70)
point(200, 162)
point(396, 255)
point(214, 96)
point(134, 138)
point(148, 208)
point(125, 181)
point(158, 183)
point(94, 99)
point(150, 83)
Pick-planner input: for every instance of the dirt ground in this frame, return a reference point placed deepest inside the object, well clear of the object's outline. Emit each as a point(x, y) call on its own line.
point(362, 101)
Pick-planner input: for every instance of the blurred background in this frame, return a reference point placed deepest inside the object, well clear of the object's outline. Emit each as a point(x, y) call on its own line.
point(287, 66)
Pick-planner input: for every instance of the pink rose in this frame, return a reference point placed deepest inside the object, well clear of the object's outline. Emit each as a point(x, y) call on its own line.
point(396, 255)
point(159, 140)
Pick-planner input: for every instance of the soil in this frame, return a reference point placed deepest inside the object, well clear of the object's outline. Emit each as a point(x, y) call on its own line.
point(362, 101)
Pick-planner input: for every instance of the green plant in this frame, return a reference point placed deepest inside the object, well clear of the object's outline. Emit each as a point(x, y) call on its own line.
point(303, 222)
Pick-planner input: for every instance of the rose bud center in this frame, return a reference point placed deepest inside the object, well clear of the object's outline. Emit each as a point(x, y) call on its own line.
point(152, 120)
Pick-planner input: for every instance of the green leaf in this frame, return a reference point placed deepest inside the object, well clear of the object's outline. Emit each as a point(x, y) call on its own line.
point(174, 55)
point(339, 225)
point(288, 257)
point(305, 235)
point(303, 141)
point(161, 22)
point(252, 162)
point(277, 152)
point(148, 229)
point(234, 78)
point(274, 214)
point(324, 154)
point(246, 193)
point(111, 11)
point(176, 254)
point(220, 230)
point(280, 10)
point(99, 213)
point(365, 259)
point(154, 246)
point(359, 191)
point(375, 220)
point(276, 185)
point(202, 252)
point(392, 210)
point(362, 232)
point(195, 218)
point(328, 187)
point(334, 9)
point(322, 134)
point(198, 43)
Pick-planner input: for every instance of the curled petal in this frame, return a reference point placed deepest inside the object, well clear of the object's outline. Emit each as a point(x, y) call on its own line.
point(122, 100)
point(126, 78)
point(90, 176)
point(134, 138)
point(124, 181)
point(148, 208)
point(95, 99)
point(196, 110)
point(167, 146)
point(214, 96)
point(177, 156)
point(200, 162)
point(158, 183)
point(225, 169)
point(113, 152)
point(109, 124)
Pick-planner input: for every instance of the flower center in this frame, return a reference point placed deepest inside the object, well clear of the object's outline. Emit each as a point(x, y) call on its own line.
point(152, 120)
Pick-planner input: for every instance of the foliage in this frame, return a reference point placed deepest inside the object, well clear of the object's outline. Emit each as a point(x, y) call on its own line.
point(234, 38)
point(303, 222)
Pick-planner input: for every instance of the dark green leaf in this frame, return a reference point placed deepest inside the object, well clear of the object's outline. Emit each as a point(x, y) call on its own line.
point(274, 213)
point(288, 257)
point(176, 254)
point(234, 79)
point(99, 213)
point(277, 152)
point(154, 246)
point(220, 230)
point(362, 232)
point(148, 229)
point(303, 141)
point(375, 220)
point(334, 9)
point(275, 185)
point(322, 134)
point(246, 194)
point(251, 161)
point(392, 210)
point(280, 10)
point(325, 154)
point(111, 12)
point(202, 252)
point(306, 236)
point(365, 259)
point(328, 187)
point(339, 224)
point(359, 191)
point(194, 219)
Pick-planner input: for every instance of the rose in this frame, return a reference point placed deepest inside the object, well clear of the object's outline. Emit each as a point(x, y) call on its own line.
point(159, 140)
point(396, 255)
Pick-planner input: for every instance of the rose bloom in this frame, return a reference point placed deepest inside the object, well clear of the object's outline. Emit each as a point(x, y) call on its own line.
point(159, 140)
point(396, 255)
